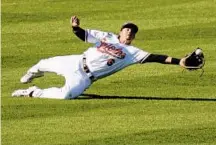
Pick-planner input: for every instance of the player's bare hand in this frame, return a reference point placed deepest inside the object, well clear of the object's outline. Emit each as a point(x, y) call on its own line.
point(75, 22)
point(182, 62)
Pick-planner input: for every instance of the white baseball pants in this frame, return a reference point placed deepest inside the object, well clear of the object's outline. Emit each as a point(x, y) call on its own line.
point(71, 68)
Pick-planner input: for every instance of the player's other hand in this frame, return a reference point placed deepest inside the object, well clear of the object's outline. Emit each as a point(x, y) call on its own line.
point(75, 21)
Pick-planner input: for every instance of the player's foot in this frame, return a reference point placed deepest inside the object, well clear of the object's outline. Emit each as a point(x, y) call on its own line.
point(24, 92)
point(27, 78)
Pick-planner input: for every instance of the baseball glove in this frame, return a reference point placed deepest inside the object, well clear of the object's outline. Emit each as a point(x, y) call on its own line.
point(194, 60)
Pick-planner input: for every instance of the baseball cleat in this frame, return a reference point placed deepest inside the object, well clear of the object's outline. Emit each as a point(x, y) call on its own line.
point(27, 78)
point(24, 92)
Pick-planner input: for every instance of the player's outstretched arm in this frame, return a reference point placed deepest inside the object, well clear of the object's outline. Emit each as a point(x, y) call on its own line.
point(164, 59)
point(79, 32)
point(192, 61)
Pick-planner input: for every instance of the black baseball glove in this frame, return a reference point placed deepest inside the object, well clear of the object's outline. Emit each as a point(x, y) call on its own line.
point(194, 60)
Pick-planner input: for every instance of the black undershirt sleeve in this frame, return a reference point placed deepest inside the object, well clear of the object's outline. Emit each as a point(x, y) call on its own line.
point(156, 58)
point(160, 59)
point(79, 32)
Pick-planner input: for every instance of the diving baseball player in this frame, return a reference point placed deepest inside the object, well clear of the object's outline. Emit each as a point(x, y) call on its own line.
point(109, 54)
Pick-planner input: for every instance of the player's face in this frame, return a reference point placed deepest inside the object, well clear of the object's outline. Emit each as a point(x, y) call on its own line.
point(126, 35)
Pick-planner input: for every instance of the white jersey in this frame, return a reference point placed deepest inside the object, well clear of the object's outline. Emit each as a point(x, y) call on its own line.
point(108, 55)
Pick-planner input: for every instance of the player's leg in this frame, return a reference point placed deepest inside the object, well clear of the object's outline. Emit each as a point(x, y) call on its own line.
point(72, 89)
point(74, 86)
point(59, 65)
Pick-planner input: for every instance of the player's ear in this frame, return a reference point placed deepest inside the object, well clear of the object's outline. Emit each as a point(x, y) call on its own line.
point(134, 36)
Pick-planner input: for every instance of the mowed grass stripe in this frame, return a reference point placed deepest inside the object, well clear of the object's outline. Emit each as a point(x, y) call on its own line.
point(99, 123)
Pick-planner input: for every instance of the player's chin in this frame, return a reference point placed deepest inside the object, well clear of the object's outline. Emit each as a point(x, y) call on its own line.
point(129, 41)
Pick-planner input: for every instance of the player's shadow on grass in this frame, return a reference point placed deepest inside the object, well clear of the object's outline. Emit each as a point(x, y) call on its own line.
point(93, 96)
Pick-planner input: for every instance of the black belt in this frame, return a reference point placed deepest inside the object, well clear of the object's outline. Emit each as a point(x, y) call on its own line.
point(86, 69)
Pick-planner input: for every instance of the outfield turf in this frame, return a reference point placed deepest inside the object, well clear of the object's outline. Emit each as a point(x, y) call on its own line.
point(143, 104)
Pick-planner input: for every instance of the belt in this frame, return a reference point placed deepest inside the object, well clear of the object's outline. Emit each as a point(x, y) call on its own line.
point(87, 71)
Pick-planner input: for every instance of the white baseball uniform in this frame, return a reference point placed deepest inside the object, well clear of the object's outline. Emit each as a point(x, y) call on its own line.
point(106, 57)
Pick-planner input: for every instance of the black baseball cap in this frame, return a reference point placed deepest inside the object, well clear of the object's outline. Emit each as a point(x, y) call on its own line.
point(133, 26)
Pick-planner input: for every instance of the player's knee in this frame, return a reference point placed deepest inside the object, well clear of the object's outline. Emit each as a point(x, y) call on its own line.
point(68, 96)
point(41, 61)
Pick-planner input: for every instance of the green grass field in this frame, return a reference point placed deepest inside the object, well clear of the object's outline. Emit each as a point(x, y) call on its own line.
point(143, 104)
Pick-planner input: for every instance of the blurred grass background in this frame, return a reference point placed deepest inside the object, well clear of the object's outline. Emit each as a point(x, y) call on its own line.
point(32, 30)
